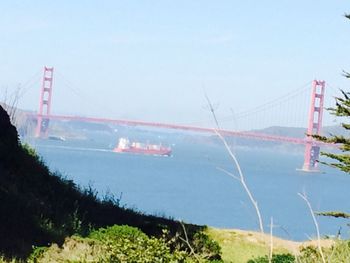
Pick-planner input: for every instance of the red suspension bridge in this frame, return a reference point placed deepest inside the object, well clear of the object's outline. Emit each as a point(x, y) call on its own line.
point(312, 147)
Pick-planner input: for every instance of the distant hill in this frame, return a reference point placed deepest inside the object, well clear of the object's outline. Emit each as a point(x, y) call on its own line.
point(298, 132)
point(295, 132)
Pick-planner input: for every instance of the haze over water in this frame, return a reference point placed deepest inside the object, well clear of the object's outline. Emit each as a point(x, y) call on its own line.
point(188, 186)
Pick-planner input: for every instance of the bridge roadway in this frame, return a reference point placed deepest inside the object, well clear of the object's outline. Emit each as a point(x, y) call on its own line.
point(243, 134)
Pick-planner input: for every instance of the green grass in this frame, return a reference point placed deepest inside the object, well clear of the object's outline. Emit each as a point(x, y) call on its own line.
point(4, 260)
point(240, 246)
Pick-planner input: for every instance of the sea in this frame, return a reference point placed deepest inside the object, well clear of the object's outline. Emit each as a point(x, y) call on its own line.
point(191, 186)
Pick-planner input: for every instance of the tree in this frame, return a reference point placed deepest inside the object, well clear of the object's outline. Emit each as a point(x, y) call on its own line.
point(342, 109)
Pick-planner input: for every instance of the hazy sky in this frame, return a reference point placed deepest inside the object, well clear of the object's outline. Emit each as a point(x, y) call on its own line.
point(151, 60)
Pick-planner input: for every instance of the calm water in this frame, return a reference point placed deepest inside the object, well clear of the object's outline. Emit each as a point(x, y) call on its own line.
point(188, 185)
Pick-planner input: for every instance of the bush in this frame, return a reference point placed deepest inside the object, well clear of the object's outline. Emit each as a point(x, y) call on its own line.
point(30, 151)
point(120, 244)
point(37, 253)
point(278, 258)
point(207, 247)
point(111, 244)
point(339, 252)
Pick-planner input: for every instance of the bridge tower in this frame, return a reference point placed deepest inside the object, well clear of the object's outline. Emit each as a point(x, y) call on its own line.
point(44, 103)
point(312, 151)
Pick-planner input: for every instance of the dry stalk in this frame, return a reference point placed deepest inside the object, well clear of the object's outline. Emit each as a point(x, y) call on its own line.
point(187, 242)
point(271, 240)
point(10, 103)
point(304, 197)
point(241, 177)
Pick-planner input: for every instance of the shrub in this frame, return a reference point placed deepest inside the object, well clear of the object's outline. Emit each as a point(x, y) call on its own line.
point(207, 247)
point(339, 252)
point(30, 151)
point(130, 244)
point(37, 253)
point(111, 244)
point(277, 258)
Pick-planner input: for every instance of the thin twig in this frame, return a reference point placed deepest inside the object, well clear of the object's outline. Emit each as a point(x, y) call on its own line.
point(304, 197)
point(187, 242)
point(233, 157)
point(228, 173)
point(10, 103)
point(212, 110)
point(271, 240)
point(242, 180)
point(308, 237)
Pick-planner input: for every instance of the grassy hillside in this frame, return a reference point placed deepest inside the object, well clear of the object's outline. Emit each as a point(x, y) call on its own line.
point(38, 208)
point(240, 246)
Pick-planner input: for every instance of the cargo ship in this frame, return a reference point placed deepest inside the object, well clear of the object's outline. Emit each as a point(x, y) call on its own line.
point(125, 146)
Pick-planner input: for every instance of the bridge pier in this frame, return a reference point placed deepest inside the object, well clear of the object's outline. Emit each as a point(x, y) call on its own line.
point(43, 121)
point(312, 151)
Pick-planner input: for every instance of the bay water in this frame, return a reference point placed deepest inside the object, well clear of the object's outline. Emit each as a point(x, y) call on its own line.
point(190, 186)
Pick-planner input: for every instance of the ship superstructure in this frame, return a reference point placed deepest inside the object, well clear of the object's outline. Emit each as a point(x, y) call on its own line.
point(125, 145)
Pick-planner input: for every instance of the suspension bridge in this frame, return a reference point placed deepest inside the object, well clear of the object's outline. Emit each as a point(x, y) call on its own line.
point(312, 147)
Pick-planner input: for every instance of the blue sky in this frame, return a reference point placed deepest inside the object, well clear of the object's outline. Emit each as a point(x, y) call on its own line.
point(151, 60)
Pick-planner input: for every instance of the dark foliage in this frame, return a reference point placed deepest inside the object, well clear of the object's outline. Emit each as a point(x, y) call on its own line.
point(205, 246)
point(335, 214)
point(342, 109)
point(278, 258)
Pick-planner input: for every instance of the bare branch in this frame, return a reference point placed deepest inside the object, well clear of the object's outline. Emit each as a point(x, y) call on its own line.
point(228, 173)
point(242, 180)
point(10, 103)
point(211, 108)
point(187, 242)
point(237, 165)
point(271, 240)
point(304, 197)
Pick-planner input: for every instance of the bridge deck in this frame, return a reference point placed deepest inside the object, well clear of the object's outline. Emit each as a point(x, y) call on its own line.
point(244, 134)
